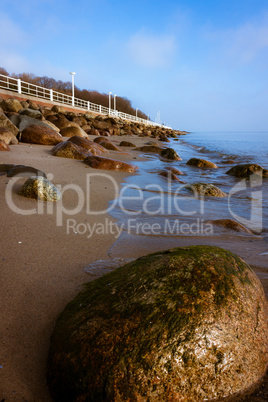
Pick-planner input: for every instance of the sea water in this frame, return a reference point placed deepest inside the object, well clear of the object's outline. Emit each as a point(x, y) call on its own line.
point(152, 205)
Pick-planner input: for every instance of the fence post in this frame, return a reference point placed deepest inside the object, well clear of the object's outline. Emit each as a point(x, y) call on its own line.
point(88, 106)
point(100, 109)
point(51, 95)
point(19, 85)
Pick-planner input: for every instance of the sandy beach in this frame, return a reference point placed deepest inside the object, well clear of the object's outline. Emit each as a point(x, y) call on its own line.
point(43, 266)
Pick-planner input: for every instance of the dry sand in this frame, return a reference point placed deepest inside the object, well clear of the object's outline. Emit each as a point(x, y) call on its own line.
point(42, 266)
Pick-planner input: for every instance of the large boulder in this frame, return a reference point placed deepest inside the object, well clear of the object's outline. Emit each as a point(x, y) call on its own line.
point(6, 123)
point(72, 131)
point(23, 121)
point(101, 124)
point(40, 188)
point(205, 189)
point(105, 143)
point(247, 170)
point(126, 144)
point(70, 150)
point(201, 163)
point(36, 134)
point(7, 136)
point(11, 105)
point(91, 146)
point(187, 324)
point(150, 148)
point(99, 162)
point(35, 114)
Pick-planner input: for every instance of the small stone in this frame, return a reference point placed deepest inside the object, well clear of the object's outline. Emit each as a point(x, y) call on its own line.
point(201, 163)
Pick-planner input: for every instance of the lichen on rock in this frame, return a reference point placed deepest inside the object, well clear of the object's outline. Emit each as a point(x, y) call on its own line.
point(40, 188)
point(187, 324)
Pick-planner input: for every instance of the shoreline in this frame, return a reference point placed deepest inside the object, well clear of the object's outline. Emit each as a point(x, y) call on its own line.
point(43, 268)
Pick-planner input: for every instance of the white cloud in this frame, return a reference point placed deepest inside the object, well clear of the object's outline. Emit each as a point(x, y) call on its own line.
point(151, 50)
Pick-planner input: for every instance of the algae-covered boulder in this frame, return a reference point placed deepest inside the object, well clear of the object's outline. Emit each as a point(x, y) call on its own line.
point(187, 324)
point(40, 188)
point(206, 189)
point(247, 170)
point(170, 153)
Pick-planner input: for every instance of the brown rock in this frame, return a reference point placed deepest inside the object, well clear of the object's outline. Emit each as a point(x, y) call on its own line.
point(11, 105)
point(7, 137)
point(73, 131)
point(126, 144)
point(92, 131)
point(109, 145)
point(201, 163)
point(93, 147)
point(206, 189)
point(4, 146)
point(68, 149)
point(36, 134)
point(58, 109)
point(170, 153)
point(100, 139)
point(98, 162)
point(62, 122)
point(149, 148)
point(247, 170)
point(40, 188)
point(101, 125)
point(231, 224)
point(6, 123)
point(186, 324)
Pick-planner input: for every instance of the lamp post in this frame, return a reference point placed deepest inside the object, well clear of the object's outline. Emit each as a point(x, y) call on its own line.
point(73, 74)
point(110, 93)
point(114, 102)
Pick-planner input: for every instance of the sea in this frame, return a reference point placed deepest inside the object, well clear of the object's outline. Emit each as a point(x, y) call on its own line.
point(154, 212)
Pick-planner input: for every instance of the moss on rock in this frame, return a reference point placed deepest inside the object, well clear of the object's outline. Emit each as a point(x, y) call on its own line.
point(186, 324)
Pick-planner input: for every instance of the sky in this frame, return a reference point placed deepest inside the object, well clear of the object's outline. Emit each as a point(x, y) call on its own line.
point(201, 65)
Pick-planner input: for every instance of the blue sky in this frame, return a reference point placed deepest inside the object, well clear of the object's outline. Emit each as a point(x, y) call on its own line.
point(202, 63)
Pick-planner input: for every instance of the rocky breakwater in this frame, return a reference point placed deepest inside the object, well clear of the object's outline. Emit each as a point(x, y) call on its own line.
point(186, 324)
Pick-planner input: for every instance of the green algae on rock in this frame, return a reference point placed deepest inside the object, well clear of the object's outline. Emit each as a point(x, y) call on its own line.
point(206, 189)
point(187, 324)
point(40, 188)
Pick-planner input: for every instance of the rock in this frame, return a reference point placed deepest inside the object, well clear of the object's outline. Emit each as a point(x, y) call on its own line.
point(186, 324)
point(109, 145)
point(7, 137)
point(170, 175)
point(228, 162)
point(150, 148)
point(33, 105)
point(35, 114)
point(100, 139)
point(93, 131)
point(98, 162)
point(73, 131)
point(58, 109)
point(126, 144)
point(23, 121)
point(247, 170)
point(6, 123)
point(41, 189)
point(68, 149)
point(201, 163)
point(4, 146)
point(101, 125)
point(5, 167)
point(24, 171)
point(36, 134)
point(93, 147)
point(206, 189)
point(231, 224)
point(170, 153)
point(11, 105)
point(61, 121)
point(24, 104)
point(174, 170)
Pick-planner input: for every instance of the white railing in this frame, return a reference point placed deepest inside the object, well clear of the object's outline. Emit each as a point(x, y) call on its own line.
point(22, 87)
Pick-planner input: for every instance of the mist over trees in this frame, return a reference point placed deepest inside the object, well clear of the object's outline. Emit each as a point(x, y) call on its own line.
point(123, 104)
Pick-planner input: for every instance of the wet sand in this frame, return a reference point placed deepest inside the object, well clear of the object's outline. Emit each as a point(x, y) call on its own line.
point(42, 265)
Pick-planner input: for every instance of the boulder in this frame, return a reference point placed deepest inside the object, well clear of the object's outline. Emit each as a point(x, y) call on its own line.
point(40, 188)
point(101, 124)
point(232, 225)
point(109, 145)
point(93, 147)
point(68, 149)
point(58, 109)
point(4, 146)
point(206, 189)
point(7, 136)
point(73, 131)
point(170, 175)
point(36, 134)
point(23, 121)
point(35, 114)
point(186, 324)
point(201, 163)
point(33, 105)
point(99, 162)
point(24, 171)
point(61, 121)
point(247, 170)
point(100, 139)
point(150, 148)
point(126, 144)
point(11, 105)
point(93, 131)
point(6, 123)
point(170, 153)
